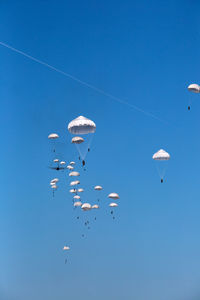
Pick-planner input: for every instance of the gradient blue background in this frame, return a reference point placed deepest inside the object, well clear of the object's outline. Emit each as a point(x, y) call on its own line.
point(145, 52)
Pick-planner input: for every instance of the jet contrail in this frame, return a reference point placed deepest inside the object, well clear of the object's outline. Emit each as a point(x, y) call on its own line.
point(100, 91)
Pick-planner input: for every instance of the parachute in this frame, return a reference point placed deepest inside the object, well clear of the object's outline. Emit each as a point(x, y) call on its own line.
point(82, 126)
point(53, 137)
point(98, 188)
point(80, 190)
point(86, 206)
point(77, 204)
point(114, 196)
point(77, 140)
point(73, 191)
point(74, 174)
point(54, 180)
point(95, 206)
point(113, 204)
point(77, 197)
point(74, 183)
point(161, 156)
point(72, 163)
point(62, 163)
point(65, 248)
point(70, 167)
point(194, 88)
point(56, 160)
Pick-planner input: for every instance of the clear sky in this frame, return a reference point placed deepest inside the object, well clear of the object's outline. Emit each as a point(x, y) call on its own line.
point(145, 52)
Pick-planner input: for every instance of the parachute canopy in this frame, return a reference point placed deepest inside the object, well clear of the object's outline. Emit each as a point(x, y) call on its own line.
point(54, 180)
point(56, 160)
point(53, 136)
point(81, 125)
point(77, 197)
point(95, 206)
point(86, 206)
point(77, 140)
point(72, 163)
point(74, 174)
point(113, 196)
point(74, 182)
point(70, 167)
point(195, 88)
point(78, 203)
point(54, 187)
point(161, 155)
point(80, 190)
point(98, 188)
point(113, 204)
point(73, 191)
point(66, 248)
point(62, 163)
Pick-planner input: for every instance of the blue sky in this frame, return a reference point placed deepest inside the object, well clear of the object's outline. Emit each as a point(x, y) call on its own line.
point(145, 53)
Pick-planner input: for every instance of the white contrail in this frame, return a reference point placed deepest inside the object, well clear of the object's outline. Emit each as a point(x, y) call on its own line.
point(81, 82)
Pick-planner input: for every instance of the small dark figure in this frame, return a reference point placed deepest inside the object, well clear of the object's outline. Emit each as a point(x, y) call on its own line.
point(79, 158)
point(77, 217)
point(161, 181)
point(82, 235)
point(85, 223)
point(95, 218)
point(111, 212)
point(88, 227)
point(88, 149)
point(83, 163)
point(113, 218)
point(188, 107)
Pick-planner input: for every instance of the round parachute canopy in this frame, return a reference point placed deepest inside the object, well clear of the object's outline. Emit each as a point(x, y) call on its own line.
point(77, 140)
point(74, 182)
point(195, 88)
point(54, 180)
point(86, 206)
point(70, 167)
point(98, 188)
point(56, 160)
point(54, 187)
point(77, 204)
point(80, 190)
point(113, 196)
point(53, 136)
point(161, 155)
point(72, 163)
point(52, 183)
point(74, 174)
point(113, 204)
point(65, 248)
point(81, 125)
point(77, 197)
point(73, 191)
point(95, 206)
point(62, 163)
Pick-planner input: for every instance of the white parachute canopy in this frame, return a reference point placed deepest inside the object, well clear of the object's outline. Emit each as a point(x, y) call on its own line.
point(54, 180)
point(195, 88)
point(80, 190)
point(74, 182)
point(62, 163)
point(161, 157)
point(56, 160)
point(54, 187)
point(86, 206)
point(77, 197)
point(74, 173)
point(82, 126)
point(74, 191)
point(53, 136)
point(113, 204)
point(70, 167)
point(95, 206)
point(65, 248)
point(77, 204)
point(72, 163)
point(77, 140)
point(114, 196)
point(98, 188)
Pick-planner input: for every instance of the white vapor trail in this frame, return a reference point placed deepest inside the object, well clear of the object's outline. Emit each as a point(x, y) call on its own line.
point(90, 86)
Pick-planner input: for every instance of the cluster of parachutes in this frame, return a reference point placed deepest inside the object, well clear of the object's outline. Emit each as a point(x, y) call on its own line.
point(82, 130)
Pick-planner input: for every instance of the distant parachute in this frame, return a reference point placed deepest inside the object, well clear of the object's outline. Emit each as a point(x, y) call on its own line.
point(70, 167)
point(77, 197)
point(113, 196)
point(65, 248)
point(56, 160)
point(53, 136)
point(95, 206)
point(113, 204)
point(74, 174)
point(195, 88)
point(73, 191)
point(82, 126)
point(161, 156)
point(98, 188)
point(86, 206)
point(62, 163)
point(80, 190)
point(77, 140)
point(72, 163)
point(77, 204)
point(74, 182)
point(55, 180)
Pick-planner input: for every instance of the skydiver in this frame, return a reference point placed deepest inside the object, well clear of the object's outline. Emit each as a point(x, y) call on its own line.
point(88, 149)
point(83, 163)
point(188, 107)
point(161, 180)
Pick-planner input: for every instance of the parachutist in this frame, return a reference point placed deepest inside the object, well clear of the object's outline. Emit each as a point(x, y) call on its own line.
point(161, 180)
point(88, 149)
point(95, 218)
point(111, 212)
point(113, 218)
point(83, 163)
point(78, 218)
point(82, 235)
point(188, 107)
point(79, 158)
